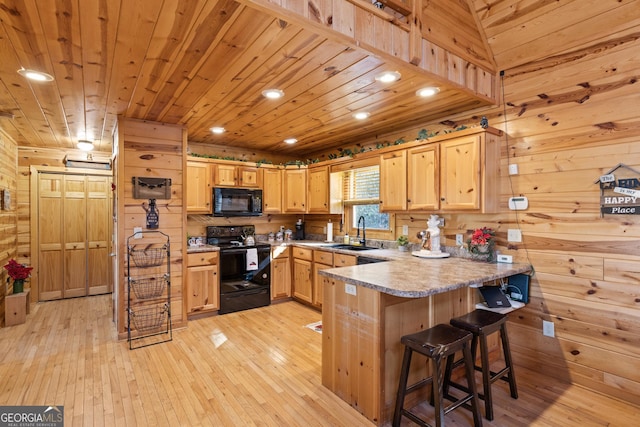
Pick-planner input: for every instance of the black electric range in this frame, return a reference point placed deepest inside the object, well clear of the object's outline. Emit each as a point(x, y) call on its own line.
point(245, 271)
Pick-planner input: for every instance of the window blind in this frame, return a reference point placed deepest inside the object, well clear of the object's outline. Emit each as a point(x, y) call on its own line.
point(362, 185)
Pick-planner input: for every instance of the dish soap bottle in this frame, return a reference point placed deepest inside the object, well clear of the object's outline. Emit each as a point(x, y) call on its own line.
point(346, 239)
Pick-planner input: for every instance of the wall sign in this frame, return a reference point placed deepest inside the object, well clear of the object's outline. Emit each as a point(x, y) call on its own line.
point(620, 191)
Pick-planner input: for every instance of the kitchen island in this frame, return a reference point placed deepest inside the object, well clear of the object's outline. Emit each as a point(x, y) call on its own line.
point(368, 308)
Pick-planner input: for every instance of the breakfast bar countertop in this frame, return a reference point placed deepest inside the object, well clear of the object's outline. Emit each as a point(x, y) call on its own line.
point(408, 276)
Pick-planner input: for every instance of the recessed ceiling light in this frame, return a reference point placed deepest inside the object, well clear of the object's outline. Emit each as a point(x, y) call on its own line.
point(273, 93)
point(290, 140)
point(217, 129)
point(361, 115)
point(85, 145)
point(388, 76)
point(427, 91)
point(35, 75)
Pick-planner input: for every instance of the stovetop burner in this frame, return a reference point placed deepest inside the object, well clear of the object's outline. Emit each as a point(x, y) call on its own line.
point(231, 236)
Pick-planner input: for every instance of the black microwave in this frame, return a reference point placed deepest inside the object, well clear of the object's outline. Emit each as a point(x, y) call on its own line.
point(237, 202)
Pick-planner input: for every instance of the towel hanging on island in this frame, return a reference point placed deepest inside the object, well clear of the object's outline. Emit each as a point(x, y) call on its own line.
point(252, 259)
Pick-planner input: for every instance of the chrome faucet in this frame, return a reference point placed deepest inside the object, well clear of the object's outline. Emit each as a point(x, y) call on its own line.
point(363, 241)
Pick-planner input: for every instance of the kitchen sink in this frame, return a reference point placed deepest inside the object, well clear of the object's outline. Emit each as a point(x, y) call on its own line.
point(352, 247)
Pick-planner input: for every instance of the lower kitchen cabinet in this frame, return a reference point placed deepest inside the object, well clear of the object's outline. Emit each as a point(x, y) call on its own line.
point(308, 283)
point(321, 261)
point(280, 273)
point(203, 282)
point(303, 274)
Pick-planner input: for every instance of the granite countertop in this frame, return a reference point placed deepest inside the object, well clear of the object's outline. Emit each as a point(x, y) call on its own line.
point(201, 248)
point(413, 277)
point(403, 274)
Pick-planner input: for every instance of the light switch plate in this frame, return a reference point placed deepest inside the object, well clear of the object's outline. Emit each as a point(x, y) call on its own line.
point(137, 232)
point(548, 329)
point(405, 230)
point(513, 169)
point(514, 235)
point(459, 240)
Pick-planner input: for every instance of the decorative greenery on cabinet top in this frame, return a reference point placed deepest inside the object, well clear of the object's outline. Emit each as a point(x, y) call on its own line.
point(342, 152)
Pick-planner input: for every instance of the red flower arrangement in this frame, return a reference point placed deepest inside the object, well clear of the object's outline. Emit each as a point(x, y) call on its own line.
point(18, 271)
point(482, 242)
point(482, 236)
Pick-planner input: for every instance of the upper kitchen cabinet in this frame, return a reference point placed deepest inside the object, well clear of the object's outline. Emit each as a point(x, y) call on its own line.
point(295, 190)
point(451, 173)
point(229, 175)
point(470, 172)
point(423, 181)
point(393, 181)
point(198, 187)
point(318, 197)
point(272, 191)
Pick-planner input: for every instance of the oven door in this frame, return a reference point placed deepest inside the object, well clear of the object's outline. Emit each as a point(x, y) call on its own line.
point(233, 267)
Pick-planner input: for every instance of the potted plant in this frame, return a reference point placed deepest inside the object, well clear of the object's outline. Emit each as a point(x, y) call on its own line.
point(482, 242)
point(403, 243)
point(19, 273)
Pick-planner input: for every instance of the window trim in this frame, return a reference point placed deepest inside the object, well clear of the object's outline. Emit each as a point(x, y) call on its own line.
point(372, 233)
point(348, 205)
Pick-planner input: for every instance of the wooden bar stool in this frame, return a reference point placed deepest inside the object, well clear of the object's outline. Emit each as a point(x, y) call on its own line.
point(438, 344)
point(482, 323)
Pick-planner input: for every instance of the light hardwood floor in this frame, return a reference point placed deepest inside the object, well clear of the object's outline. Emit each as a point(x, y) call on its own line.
point(259, 367)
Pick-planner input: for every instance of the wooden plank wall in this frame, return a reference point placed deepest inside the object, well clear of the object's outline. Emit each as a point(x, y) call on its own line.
point(150, 149)
point(570, 119)
point(8, 217)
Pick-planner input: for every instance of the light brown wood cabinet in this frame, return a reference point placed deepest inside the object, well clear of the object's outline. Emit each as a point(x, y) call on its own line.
point(457, 174)
point(321, 261)
point(318, 197)
point(198, 187)
point(225, 175)
point(308, 283)
point(272, 191)
point(280, 273)
point(302, 274)
point(203, 282)
point(393, 181)
point(460, 181)
point(295, 190)
point(423, 178)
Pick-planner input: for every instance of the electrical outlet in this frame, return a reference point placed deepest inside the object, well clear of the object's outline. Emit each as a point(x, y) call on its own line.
point(350, 289)
point(514, 235)
point(513, 169)
point(405, 230)
point(548, 329)
point(137, 232)
point(459, 240)
point(441, 222)
point(505, 258)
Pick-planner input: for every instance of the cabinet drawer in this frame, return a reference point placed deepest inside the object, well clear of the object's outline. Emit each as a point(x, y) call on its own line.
point(303, 253)
point(323, 257)
point(279, 252)
point(202, 258)
point(342, 260)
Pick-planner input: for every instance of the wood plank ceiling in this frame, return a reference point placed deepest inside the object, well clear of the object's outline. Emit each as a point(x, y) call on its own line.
point(204, 63)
